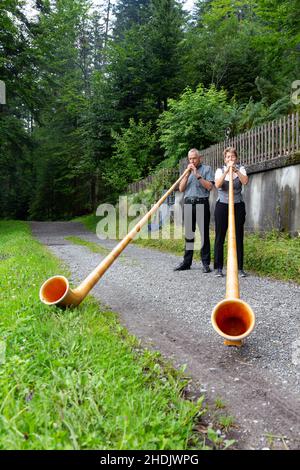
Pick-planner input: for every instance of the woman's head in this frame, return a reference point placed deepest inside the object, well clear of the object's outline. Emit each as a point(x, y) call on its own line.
point(230, 155)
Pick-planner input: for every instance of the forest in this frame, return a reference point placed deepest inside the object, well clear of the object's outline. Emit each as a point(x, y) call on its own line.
point(100, 94)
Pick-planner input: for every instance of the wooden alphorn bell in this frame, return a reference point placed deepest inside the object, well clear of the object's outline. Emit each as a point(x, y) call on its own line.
point(57, 291)
point(232, 318)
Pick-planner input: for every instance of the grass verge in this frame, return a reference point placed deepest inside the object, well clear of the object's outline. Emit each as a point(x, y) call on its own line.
point(76, 379)
point(272, 254)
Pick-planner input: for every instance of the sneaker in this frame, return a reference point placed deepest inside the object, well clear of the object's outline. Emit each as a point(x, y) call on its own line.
point(219, 273)
point(242, 273)
point(182, 267)
point(206, 269)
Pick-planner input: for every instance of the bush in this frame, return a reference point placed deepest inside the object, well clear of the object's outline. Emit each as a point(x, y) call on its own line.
point(197, 119)
point(133, 154)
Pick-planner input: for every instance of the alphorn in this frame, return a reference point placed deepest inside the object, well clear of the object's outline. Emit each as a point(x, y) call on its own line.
point(57, 291)
point(232, 318)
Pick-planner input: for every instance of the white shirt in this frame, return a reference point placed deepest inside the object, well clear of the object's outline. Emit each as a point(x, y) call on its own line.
point(219, 173)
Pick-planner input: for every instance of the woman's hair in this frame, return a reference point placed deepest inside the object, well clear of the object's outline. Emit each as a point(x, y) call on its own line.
point(232, 150)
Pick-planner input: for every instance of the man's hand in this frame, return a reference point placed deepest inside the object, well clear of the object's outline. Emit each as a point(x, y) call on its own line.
point(192, 167)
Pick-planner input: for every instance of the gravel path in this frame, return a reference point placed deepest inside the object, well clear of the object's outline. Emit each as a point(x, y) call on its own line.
point(170, 311)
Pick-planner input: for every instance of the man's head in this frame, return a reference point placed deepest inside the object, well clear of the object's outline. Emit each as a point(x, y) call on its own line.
point(194, 157)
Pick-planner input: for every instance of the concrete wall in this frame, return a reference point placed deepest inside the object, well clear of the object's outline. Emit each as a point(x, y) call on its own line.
point(273, 200)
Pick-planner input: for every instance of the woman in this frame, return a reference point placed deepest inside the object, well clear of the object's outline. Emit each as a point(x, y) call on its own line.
point(240, 178)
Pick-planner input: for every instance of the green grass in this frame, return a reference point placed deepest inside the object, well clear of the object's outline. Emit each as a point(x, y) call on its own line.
point(219, 404)
point(273, 254)
point(226, 422)
point(90, 221)
point(75, 379)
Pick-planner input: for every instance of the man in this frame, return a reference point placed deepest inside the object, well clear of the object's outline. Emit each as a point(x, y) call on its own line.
point(196, 186)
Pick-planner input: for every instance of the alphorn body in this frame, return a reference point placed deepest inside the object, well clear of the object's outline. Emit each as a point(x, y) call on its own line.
point(57, 291)
point(232, 318)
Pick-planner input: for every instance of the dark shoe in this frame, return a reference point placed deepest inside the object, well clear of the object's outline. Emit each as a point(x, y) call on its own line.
point(242, 273)
point(206, 269)
point(219, 273)
point(182, 267)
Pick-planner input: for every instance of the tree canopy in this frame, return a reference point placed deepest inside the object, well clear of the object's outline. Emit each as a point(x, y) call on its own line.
point(99, 96)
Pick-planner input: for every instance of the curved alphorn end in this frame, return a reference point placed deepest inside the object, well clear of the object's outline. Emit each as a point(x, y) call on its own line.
point(234, 320)
point(56, 291)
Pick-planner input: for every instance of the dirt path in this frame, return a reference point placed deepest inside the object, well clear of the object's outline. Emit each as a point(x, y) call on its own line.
point(170, 311)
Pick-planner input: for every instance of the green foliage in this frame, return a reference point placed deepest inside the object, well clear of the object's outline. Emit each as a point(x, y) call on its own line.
point(16, 170)
point(239, 45)
point(18, 69)
point(144, 67)
point(226, 422)
point(219, 403)
point(165, 35)
point(275, 255)
point(129, 13)
point(160, 183)
point(133, 154)
point(217, 52)
point(252, 114)
point(129, 71)
point(196, 119)
point(217, 440)
point(75, 77)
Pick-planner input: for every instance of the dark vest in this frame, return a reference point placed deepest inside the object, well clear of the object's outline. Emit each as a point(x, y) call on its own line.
point(223, 192)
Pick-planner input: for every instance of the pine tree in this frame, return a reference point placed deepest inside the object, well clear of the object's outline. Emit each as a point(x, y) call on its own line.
point(129, 13)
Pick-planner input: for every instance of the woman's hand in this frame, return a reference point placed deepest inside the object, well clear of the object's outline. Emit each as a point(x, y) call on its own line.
point(231, 165)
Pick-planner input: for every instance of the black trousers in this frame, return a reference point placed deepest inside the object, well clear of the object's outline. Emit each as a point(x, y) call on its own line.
point(190, 228)
point(221, 225)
